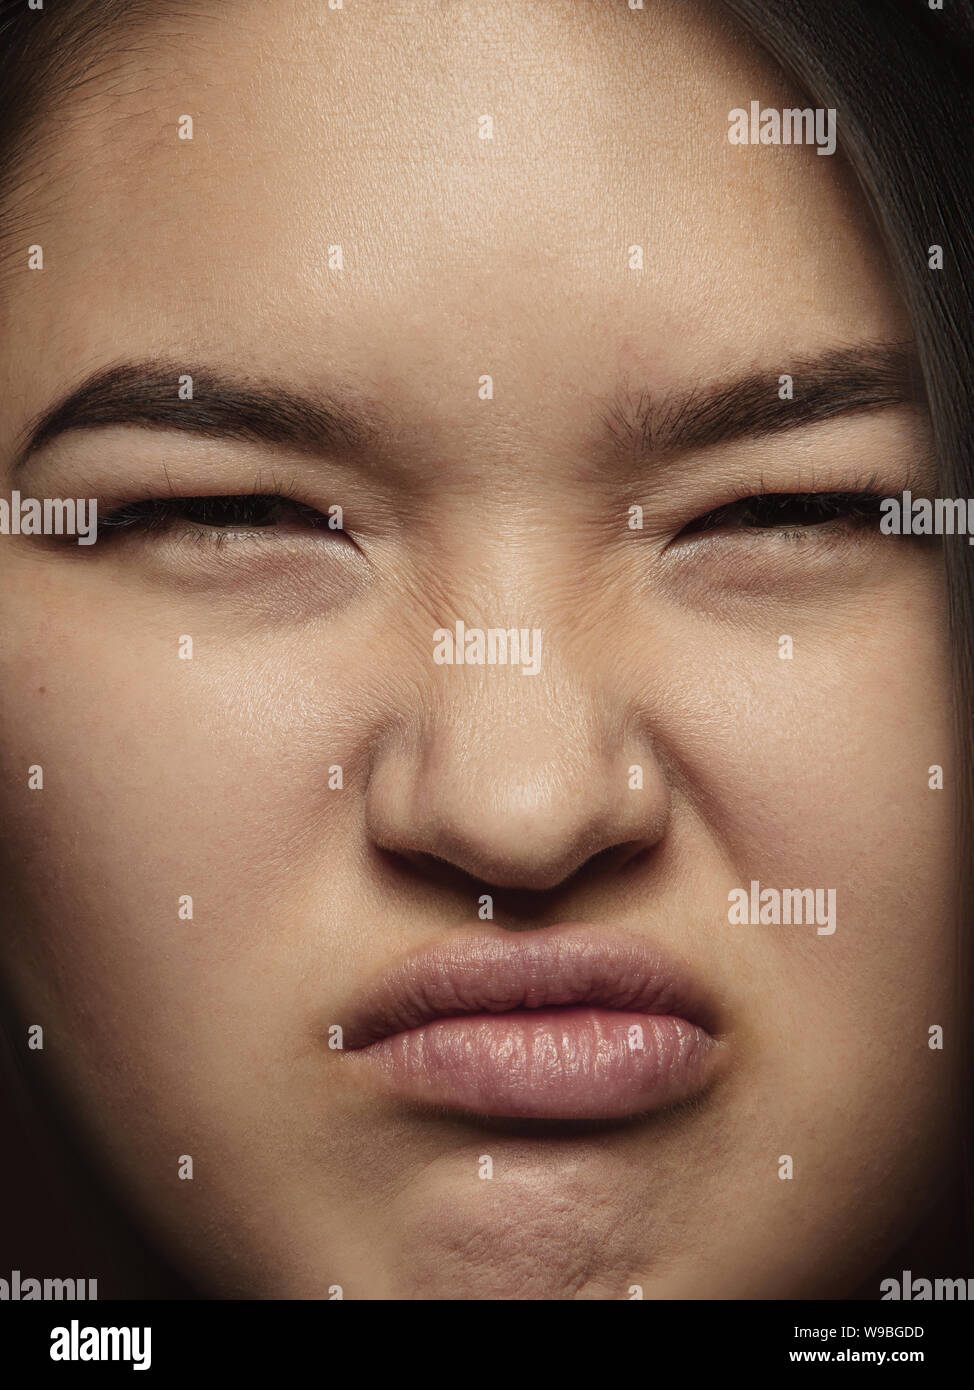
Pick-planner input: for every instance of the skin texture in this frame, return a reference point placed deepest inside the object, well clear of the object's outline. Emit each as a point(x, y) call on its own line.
point(465, 257)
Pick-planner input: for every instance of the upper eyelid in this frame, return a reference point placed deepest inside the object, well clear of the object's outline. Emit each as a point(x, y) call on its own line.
point(847, 495)
point(128, 512)
point(172, 501)
point(704, 523)
point(192, 531)
point(161, 502)
point(823, 495)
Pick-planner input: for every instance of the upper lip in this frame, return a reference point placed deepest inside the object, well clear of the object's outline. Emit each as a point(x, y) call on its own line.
point(544, 967)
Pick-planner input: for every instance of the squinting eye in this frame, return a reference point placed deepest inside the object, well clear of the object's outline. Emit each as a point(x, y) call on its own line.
point(244, 512)
point(790, 510)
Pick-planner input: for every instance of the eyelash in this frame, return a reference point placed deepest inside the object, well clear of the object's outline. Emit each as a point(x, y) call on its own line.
point(794, 511)
point(791, 517)
point(242, 511)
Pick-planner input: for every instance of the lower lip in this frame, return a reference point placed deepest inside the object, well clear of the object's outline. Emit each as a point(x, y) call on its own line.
point(574, 1063)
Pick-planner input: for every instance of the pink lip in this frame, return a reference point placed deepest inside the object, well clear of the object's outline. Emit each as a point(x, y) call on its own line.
point(566, 1022)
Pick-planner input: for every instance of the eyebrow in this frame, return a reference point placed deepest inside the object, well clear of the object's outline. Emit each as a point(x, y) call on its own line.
point(222, 407)
point(867, 377)
point(844, 381)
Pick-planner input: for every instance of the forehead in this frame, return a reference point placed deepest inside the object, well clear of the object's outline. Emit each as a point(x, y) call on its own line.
point(467, 247)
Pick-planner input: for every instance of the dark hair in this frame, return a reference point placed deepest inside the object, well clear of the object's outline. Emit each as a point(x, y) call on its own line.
point(899, 74)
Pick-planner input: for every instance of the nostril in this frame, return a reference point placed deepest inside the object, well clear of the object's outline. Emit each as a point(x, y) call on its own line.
point(431, 867)
point(629, 854)
point(509, 899)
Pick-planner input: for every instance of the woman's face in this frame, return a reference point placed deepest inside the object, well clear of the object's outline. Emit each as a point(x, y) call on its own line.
point(498, 382)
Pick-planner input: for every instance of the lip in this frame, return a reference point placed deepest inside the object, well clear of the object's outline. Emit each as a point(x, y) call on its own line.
point(563, 1022)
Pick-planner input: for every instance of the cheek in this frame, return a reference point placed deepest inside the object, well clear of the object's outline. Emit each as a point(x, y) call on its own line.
point(820, 762)
point(815, 772)
point(167, 779)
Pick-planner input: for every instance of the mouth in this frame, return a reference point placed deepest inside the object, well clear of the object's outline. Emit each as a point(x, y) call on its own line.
point(567, 1022)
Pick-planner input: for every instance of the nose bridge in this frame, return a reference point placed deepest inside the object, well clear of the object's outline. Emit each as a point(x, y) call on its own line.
point(531, 741)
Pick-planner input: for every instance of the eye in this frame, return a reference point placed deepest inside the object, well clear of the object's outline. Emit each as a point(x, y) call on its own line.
point(790, 511)
point(240, 513)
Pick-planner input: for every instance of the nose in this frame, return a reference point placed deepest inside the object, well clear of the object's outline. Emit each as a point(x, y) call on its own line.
point(517, 786)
